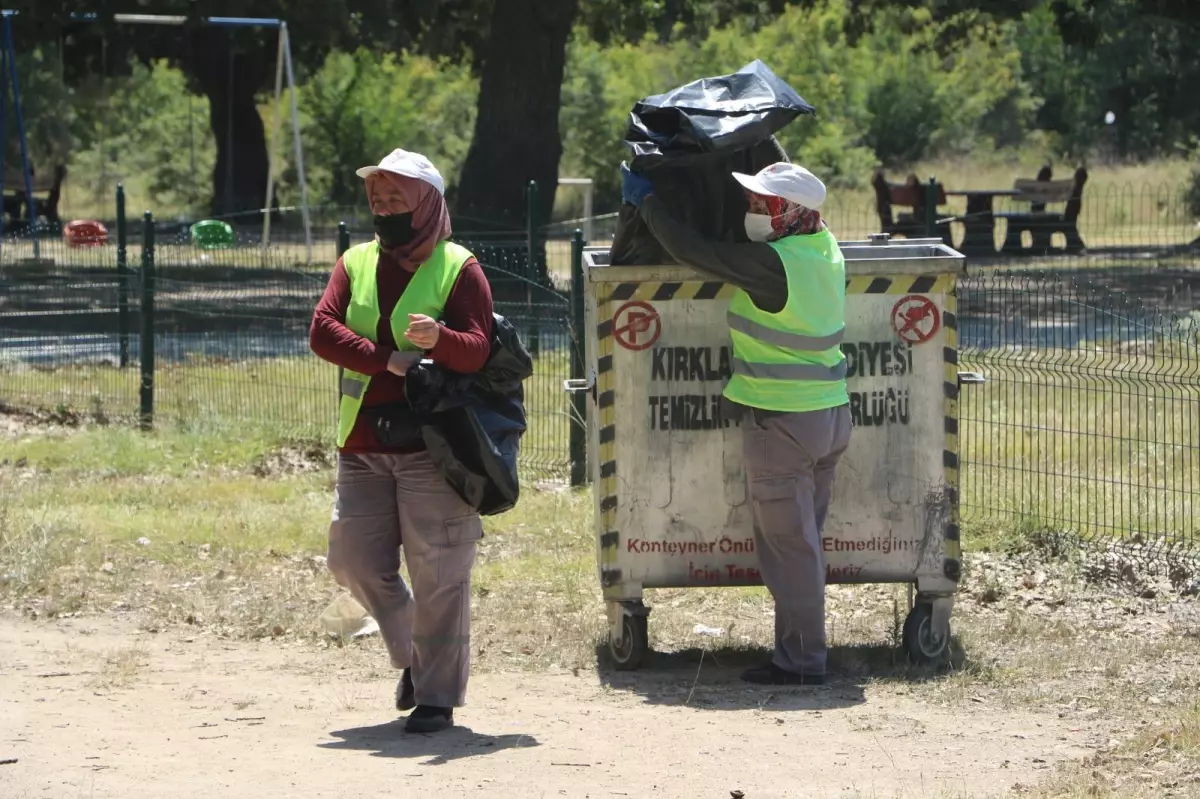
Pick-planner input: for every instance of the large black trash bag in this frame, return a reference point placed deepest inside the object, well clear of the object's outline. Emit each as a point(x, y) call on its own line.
point(729, 112)
point(701, 194)
point(472, 424)
point(689, 141)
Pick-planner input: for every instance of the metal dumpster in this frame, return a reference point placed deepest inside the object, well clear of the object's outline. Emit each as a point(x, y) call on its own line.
point(671, 496)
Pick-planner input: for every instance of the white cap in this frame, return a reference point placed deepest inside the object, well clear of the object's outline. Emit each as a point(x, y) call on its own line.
point(411, 165)
point(789, 181)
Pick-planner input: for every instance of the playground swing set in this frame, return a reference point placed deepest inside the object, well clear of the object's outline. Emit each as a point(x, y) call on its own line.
point(207, 234)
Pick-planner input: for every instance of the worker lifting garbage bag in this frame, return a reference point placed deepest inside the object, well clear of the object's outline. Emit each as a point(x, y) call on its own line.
point(673, 508)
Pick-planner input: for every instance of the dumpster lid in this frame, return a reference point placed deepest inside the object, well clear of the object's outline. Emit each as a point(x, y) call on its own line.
point(877, 255)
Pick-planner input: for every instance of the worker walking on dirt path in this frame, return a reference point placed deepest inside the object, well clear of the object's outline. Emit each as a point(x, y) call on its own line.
point(408, 294)
point(788, 387)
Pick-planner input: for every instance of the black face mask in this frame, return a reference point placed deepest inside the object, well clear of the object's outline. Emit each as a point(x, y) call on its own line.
point(395, 230)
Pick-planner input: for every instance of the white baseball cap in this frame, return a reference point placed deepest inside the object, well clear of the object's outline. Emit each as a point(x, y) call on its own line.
point(411, 165)
point(789, 181)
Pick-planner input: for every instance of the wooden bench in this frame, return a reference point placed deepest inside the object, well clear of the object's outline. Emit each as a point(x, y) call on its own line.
point(49, 184)
point(911, 194)
point(1040, 223)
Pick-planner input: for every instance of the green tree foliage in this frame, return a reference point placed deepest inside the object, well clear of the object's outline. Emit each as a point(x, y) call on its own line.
point(148, 130)
point(359, 107)
point(893, 83)
point(50, 112)
point(1133, 58)
point(890, 95)
point(231, 66)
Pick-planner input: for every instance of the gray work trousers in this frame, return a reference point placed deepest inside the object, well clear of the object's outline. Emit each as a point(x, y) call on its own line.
point(384, 502)
point(790, 460)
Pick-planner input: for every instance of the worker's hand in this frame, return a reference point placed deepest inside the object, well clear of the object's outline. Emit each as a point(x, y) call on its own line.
point(634, 187)
point(400, 362)
point(422, 331)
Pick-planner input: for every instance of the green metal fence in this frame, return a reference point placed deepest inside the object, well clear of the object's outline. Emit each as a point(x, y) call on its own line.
point(156, 330)
point(1087, 425)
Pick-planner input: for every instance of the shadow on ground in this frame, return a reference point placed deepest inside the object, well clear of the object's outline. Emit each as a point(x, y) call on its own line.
point(390, 740)
point(710, 679)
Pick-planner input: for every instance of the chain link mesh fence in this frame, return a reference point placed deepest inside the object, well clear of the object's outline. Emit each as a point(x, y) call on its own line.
point(1087, 424)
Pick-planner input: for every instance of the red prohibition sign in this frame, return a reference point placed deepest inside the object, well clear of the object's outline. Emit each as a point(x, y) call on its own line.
point(636, 325)
point(916, 319)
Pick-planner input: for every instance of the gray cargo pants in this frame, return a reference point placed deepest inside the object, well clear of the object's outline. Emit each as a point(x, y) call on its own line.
point(384, 501)
point(790, 460)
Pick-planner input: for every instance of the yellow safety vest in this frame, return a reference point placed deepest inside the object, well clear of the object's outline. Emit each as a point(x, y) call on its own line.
point(792, 360)
point(426, 293)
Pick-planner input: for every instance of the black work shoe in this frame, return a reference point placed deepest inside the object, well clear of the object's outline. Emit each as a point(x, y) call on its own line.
point(427, 718)
point(405, 699)
point(770, 674)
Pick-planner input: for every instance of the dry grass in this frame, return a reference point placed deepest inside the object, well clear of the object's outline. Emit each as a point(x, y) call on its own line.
point(1160, 760)
point(1085, 441)
point(232, 400)
point(120, 668)
point(1123, 205)
point(188, 529)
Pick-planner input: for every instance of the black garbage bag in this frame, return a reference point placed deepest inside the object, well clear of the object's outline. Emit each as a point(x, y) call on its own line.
point(729, 112)
point(689, 141)
point(472, 424)
point(702, 194)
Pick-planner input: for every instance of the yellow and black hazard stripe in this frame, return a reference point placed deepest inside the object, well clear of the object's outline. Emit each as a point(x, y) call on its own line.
point(952, 567)
point(661, 291)
point(610, 539)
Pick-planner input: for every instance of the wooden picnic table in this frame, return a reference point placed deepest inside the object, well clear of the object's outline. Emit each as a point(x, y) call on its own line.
point(979, 223)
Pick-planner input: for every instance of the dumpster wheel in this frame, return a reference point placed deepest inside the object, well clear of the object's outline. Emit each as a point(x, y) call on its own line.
point(920, 641)
point(634, 646)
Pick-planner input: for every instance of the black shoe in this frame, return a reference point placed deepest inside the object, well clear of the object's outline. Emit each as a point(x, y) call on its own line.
point(427, 718)
point(405, 699)
point(770, 674)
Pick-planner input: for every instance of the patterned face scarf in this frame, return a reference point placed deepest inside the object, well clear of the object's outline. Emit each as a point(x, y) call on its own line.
point(787, 218)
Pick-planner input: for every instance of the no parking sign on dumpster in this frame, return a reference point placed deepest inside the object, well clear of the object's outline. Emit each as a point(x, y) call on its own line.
point(671, 495)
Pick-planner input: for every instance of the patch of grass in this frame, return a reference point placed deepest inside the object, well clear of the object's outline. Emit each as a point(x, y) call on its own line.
point(1160, 760)
point(223, 532)
point(1123, 205)
point(246, 407)
point(1085, 441)
point(227, 548)
point(120, 668)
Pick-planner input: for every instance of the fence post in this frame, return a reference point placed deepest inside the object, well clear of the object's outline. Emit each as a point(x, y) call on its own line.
point(122, 280)
point(146, 345)
point(532, 272)
point(531, 232)
point(343, 239)
point(931, 208)
point(578, 365)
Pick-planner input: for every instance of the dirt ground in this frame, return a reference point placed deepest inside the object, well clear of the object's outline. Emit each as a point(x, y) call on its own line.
point(92, 708)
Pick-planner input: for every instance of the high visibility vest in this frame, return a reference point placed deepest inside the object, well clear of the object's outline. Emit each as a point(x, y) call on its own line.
point(426, 293)
point(792, 360)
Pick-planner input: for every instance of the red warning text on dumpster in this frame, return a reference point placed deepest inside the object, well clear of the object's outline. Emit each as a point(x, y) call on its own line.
point(705, 564)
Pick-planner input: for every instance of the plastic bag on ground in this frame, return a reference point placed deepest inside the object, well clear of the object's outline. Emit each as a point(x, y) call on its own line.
point(345, 618)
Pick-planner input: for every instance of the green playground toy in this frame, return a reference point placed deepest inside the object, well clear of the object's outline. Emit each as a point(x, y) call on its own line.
point(212, 234)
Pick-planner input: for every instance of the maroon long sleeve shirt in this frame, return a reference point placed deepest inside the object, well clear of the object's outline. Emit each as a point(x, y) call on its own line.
point(463, 344)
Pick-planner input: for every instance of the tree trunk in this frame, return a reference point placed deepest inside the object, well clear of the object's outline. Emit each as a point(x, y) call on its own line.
point(240, 176)
point(516, 131)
